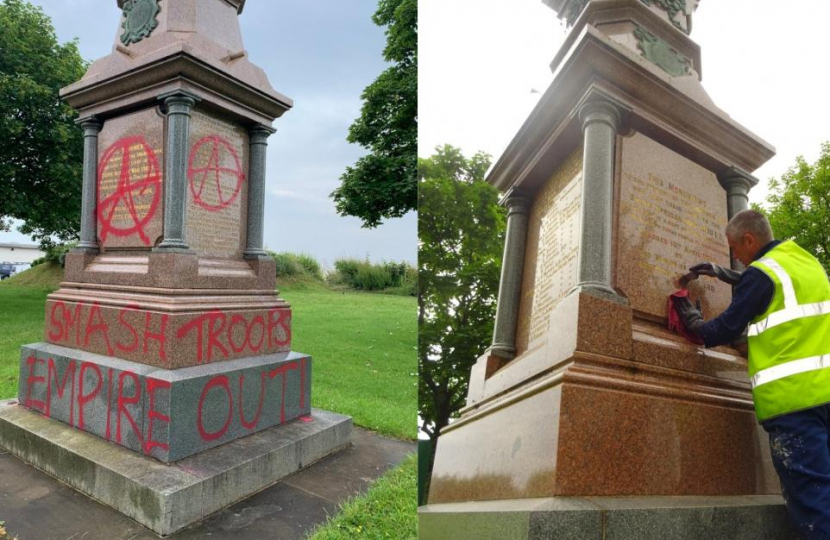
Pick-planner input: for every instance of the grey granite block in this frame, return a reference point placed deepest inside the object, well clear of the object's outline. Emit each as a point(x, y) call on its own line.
point(167, 414)
point(168, 497)
point(596, 518)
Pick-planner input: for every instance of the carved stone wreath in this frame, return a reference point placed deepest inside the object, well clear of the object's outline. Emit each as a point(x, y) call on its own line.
point(139, 20)
point(672, 7)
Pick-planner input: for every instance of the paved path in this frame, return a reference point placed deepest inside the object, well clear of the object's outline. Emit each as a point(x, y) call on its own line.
point(37, 507)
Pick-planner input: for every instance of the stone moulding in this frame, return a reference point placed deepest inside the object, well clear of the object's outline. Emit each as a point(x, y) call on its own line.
point(140, 19)
point(660, 53)
point(671, 7)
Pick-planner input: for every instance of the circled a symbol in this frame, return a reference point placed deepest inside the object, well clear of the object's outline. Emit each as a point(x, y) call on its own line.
point(206, 181)
point(139, 180)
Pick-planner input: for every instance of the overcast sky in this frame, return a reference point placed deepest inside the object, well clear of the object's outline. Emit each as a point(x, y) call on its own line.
point(322, 54)
point(764, 63)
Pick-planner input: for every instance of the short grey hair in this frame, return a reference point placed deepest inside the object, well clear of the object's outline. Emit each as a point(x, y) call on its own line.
point(750, 221)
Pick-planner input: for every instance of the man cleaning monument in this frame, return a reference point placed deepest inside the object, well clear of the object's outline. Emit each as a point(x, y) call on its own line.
point(783, 297)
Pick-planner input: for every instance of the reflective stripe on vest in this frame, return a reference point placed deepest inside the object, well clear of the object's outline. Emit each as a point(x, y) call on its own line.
point(793, 367)
point(789, 344)
point(791, 312)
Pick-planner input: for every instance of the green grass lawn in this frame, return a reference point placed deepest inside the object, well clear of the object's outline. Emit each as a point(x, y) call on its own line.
point(21, 322)
point(362, 347)
point(388, 511)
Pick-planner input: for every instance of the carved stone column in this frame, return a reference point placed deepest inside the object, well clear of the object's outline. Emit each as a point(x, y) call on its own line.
point(179, 106)
point(256, 191)
point(89, 241)
point(507, 309)
point(737, 183)
point(600, 121)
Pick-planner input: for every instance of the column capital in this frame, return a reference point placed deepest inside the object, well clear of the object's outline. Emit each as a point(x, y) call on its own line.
point(260, 132)
point(737, 180)
point(179, 101)
point(599, 108)
point(516, 201)
point(92, 125)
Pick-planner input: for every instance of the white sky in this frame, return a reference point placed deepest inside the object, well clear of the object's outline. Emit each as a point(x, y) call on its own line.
point(763, 63)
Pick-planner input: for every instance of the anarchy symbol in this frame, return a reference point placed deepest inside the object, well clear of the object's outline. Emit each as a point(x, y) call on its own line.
point(132, 185)
point(215, 149)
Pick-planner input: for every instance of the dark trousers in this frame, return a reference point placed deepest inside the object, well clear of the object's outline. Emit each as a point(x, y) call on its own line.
point(800, 444)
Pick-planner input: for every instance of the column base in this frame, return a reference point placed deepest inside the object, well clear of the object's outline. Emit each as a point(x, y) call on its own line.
point(89, 248)
point(599, 290)
point(634, 518)
point(255, 254)
point(173, 247)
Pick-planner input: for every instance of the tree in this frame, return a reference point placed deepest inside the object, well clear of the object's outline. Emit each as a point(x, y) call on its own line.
point(383, 183)
point(41, 157)
point(798, 206)
point(461, 238)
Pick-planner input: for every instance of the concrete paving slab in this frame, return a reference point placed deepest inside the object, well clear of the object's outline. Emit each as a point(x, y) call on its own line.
point(36, 507)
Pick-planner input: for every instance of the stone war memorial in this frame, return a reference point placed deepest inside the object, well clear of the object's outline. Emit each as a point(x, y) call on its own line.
point(586, 418)
point(165, 386)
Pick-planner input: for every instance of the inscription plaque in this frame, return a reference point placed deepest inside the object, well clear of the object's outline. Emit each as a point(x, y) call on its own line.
point(217, 187)
point(552, 249)
point(672, 215)
point(131, 180)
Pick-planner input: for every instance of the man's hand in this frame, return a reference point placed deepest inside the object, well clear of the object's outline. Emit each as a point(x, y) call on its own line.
point(713, 270)
point(689, 314)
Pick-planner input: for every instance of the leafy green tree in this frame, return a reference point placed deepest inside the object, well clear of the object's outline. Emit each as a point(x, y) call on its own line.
point(383, 184)
point(461, 238)
point(798, 206)
point(41, 157)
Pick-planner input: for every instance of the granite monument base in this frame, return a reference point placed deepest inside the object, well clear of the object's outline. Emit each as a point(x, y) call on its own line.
point(167, 414)
point(168, 497)
point(635, 518)
point(609, 406)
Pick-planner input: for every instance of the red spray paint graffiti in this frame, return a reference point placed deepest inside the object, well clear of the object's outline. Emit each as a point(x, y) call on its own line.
point(128, 390)
point(212, 151)
point(133, 182)
point(128, 330)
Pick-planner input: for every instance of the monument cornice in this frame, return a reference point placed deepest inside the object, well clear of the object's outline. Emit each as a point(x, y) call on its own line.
point(178, 65)
point(662, 108)
point(238, 4)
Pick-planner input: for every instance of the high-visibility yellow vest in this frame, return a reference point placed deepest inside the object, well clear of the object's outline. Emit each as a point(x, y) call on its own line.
point(789, 344)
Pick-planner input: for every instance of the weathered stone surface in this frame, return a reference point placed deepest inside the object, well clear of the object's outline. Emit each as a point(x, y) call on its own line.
point(166, 414)
point(672, 215)
point(130, 199)
point(217, 186)
point(552, 249)
point(168, 497)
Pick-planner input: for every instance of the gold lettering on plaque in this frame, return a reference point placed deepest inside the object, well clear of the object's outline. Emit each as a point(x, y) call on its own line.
point(672, 214)
point(552, 249)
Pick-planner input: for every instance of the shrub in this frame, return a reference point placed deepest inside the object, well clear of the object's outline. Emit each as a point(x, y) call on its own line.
point(297, 265)
point(310, 266)
point(365, 276)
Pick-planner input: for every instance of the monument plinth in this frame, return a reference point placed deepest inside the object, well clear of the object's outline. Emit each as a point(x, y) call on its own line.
point(624, 175)
point(167, 336)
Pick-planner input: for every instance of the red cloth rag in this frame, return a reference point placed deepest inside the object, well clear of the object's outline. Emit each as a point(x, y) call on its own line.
point(676, 323)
